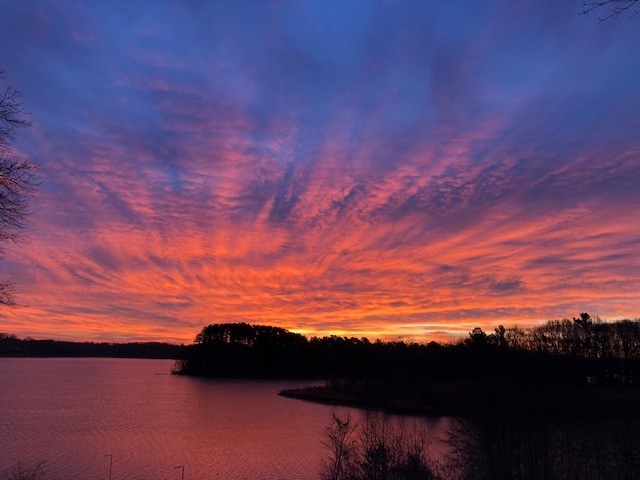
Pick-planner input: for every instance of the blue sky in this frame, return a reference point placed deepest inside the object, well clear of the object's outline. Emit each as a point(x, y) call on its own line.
point(379, 168)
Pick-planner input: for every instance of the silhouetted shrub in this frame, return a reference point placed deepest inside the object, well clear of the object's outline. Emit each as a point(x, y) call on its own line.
point(376, 449)
point(20, 472)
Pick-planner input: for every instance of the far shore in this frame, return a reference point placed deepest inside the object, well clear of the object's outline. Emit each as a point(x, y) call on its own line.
point(329, 396)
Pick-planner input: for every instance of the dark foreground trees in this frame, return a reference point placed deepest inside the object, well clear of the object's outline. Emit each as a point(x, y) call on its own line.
point(376, 448)
point(519, 444)
point(21, 472)
point(17, 180)
point(509, 447)
point(586, 349)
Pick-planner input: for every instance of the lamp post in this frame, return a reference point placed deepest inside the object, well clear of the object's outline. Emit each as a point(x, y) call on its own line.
point(182, 467)
point(110, 464)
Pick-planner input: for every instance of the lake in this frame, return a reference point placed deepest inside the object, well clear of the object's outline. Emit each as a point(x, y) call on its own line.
point(72, 413)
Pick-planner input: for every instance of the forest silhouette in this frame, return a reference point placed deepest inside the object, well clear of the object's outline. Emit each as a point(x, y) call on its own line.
point(580, 352)
point(555, 401)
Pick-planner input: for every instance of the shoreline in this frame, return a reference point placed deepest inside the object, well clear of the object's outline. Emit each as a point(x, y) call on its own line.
point(327, 396)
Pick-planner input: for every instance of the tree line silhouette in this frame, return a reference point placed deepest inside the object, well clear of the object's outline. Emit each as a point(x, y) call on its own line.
point(556, 401)
point(12, 346)
point(582, 351)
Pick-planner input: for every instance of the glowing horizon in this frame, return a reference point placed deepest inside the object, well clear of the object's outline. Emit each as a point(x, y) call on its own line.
point(357, 169)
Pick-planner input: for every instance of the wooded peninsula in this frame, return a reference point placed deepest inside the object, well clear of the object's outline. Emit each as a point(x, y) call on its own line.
point(557, 400)
point(566, 357)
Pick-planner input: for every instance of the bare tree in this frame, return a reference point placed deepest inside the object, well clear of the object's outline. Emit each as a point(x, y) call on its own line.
point(17, 180)
point(20, 472)
point(613, 8)
point(339, 441)
point(376, 449)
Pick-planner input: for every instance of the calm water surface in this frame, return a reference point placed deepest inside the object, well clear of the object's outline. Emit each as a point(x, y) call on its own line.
point(70, 413)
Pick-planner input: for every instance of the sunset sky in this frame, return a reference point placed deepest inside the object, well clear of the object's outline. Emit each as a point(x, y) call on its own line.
point(381, 169)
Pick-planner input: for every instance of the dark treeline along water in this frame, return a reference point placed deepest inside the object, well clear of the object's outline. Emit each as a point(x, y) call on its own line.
point(12, 346)
point(583, 352)
point(557, 401)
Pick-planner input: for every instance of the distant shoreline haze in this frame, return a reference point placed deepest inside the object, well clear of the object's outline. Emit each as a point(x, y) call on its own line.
point(12, 346)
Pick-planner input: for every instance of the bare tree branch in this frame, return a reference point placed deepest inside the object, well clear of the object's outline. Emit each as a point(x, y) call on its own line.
point(614, 8)
point(12, 114)
point(18, 181)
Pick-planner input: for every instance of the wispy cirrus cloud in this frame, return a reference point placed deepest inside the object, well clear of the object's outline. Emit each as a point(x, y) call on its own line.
point(367, 169)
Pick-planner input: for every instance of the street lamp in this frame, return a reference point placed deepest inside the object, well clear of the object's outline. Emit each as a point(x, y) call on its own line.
point(110, 463)
point(182, 467)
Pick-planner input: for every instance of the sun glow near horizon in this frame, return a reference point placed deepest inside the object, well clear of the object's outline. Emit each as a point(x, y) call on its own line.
point(229, 165)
